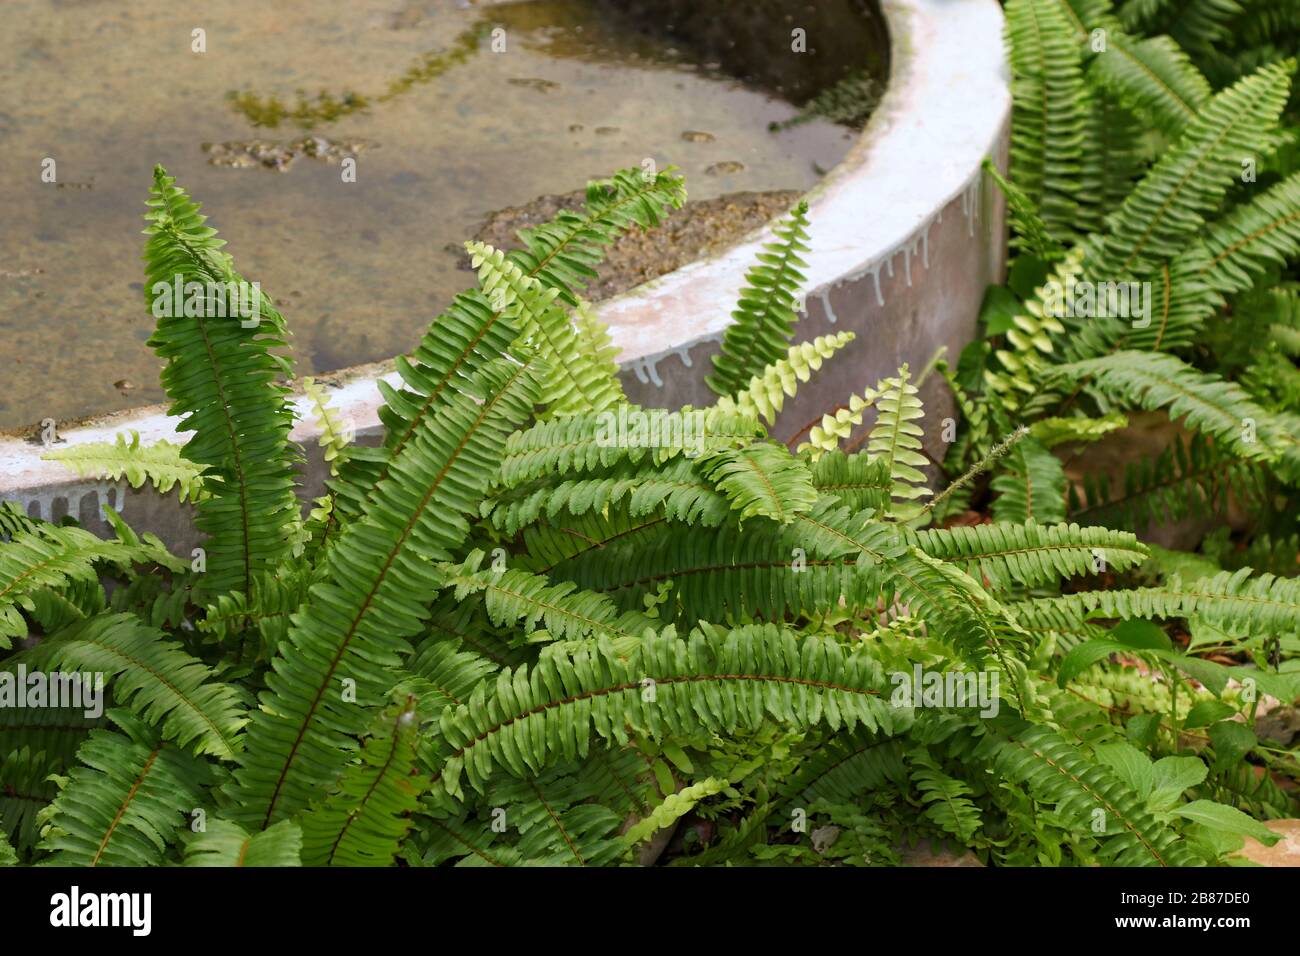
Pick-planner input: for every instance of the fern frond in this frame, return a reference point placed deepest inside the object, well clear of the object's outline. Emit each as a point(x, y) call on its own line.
point(835, 427)
point(859, 481)
point(579, 381)
point(362, 822)
point(713, 680)
point(227, 844)
point(335, 436)
point(1060, 774)
point(378, 577)
point(1161, 381)
point(767, 391)
point(49, 557)
point(224, 382)
point(895, 439)
point(674, 807)
point(557, 821)
point(675, 489)
point(1254, 237)
point(1049, 100)
point(1154, 78)
point(1029, 233)
point(562, 254)
point(154, 677)
point(1169, 206)
point(1188, 478)
point(1031, 486)
point(578, 443)
point(947, 800)
point(27, 785)
point(517, 598)
point(1236, 602)
point(765, 314)
point(162, 464)
point(1031, 554)
point(762, 479)
point(126, 802)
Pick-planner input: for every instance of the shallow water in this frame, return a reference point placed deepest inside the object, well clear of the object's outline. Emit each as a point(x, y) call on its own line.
point(108, 88)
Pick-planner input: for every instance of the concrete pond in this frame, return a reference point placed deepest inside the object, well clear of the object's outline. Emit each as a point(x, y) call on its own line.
point(450, 142)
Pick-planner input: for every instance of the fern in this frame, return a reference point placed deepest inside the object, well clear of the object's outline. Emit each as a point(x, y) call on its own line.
point(358, 617)
point(1169, 206)
point(714, 679)
point(365, 820)
point(162, 465)
point(223, 380)
point(157, 679)
point(1048, 112)
point(226, 844)
point(126, 805)
point(765, 315)
point(767, 391)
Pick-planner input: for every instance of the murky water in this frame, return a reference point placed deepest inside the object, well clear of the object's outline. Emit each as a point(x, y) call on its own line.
point(444, 130)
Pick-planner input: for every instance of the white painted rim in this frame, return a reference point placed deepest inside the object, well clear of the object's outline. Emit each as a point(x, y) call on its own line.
point(943, 112)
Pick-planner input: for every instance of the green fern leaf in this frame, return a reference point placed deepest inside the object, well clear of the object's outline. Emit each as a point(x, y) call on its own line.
point(765, 314)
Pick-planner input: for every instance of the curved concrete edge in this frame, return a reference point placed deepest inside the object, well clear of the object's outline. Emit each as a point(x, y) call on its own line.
point(904, 241)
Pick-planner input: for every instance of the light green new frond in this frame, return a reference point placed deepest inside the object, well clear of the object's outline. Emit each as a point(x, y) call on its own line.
point(763, 479)
point(578, 381)
point(227, 844)
point(1032, 554)
point(7, 855)
point(335, 435)
point(365, 819)
point(674, 807)
point(593, 339)
point(767, 391)
point(715, 680)
point(764, 318)
point(154, 677)
point(1050, 432)
point(834, 428)
point(896, 440)
point(161, 464)
point(1168, 208)
point(1031, 338)
point(127, 801)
